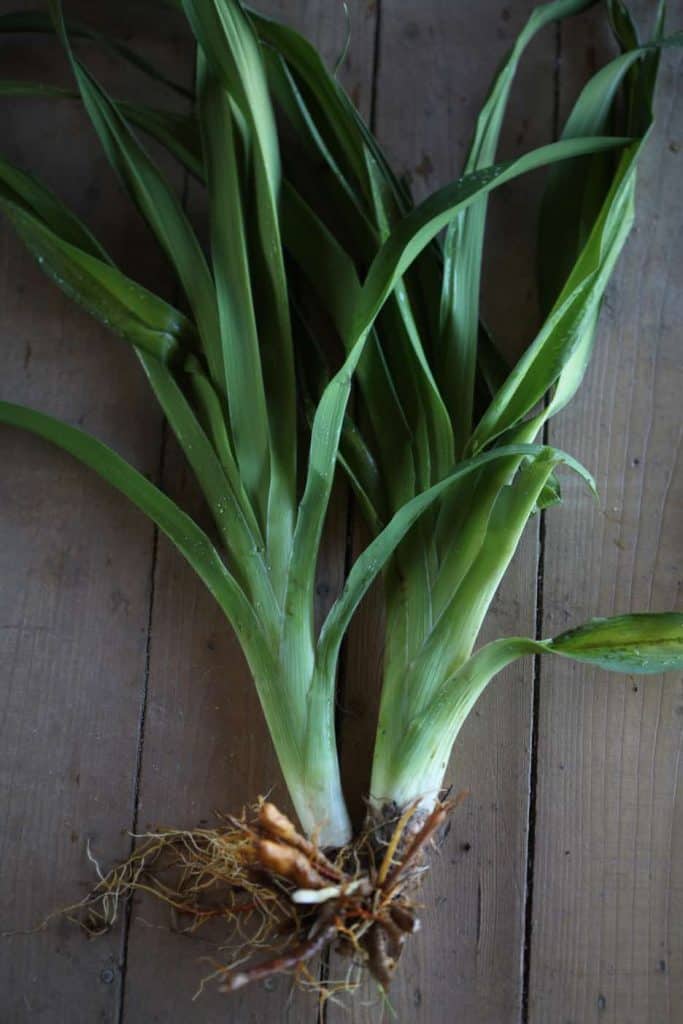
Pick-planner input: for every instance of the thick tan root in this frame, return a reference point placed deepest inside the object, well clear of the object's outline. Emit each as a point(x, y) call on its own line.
point(281, 895)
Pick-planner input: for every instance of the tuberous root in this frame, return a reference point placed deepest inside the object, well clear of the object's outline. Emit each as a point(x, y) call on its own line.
point(283, 899)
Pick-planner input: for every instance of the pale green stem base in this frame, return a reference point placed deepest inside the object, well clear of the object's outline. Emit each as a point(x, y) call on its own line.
point(414, 769)
point(298, 705)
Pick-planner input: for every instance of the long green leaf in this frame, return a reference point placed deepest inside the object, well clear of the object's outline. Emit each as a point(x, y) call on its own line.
point(355, 453)
point(641, 643)
point(450, 642)
point(402, 247)
point(469, 515)
point(464, 242)
point(341, 203)
point(156, 201)
point(423, 223)
point(152, 326)
point(190, 540)
point(622, 23)
point(414, 559)
point(25, 191)
point(124, 306)
point(346, 144)
point(565, 338)
point(239, 333)
point(213, 415)
point(456, 630)
point(376, 555)
point(177, 132)
point(414, 765)
point(40, 22)
point(76, 261)
point(234, 525)
point(355, 190)
point(576, 190)
point(645, 643)
point(231, 48)
point(406, 355)
point(333, 277)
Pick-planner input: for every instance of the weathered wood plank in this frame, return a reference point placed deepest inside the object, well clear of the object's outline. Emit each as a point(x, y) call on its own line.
point(75, 561)
point(607, 939)
point(206, 744)
point(436, 60)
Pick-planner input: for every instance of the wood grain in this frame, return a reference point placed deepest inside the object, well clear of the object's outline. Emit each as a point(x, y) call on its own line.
point(75, 563)
point(108, 724)
point(607, 940)
point(436, 61)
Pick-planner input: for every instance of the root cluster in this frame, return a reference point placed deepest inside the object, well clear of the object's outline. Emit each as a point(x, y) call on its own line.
point(282, 899)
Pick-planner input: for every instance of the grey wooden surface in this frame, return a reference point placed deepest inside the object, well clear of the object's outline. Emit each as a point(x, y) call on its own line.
point(124, 702)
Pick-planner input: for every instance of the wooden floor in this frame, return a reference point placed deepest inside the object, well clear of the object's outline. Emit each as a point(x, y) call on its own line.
point(124, 702)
